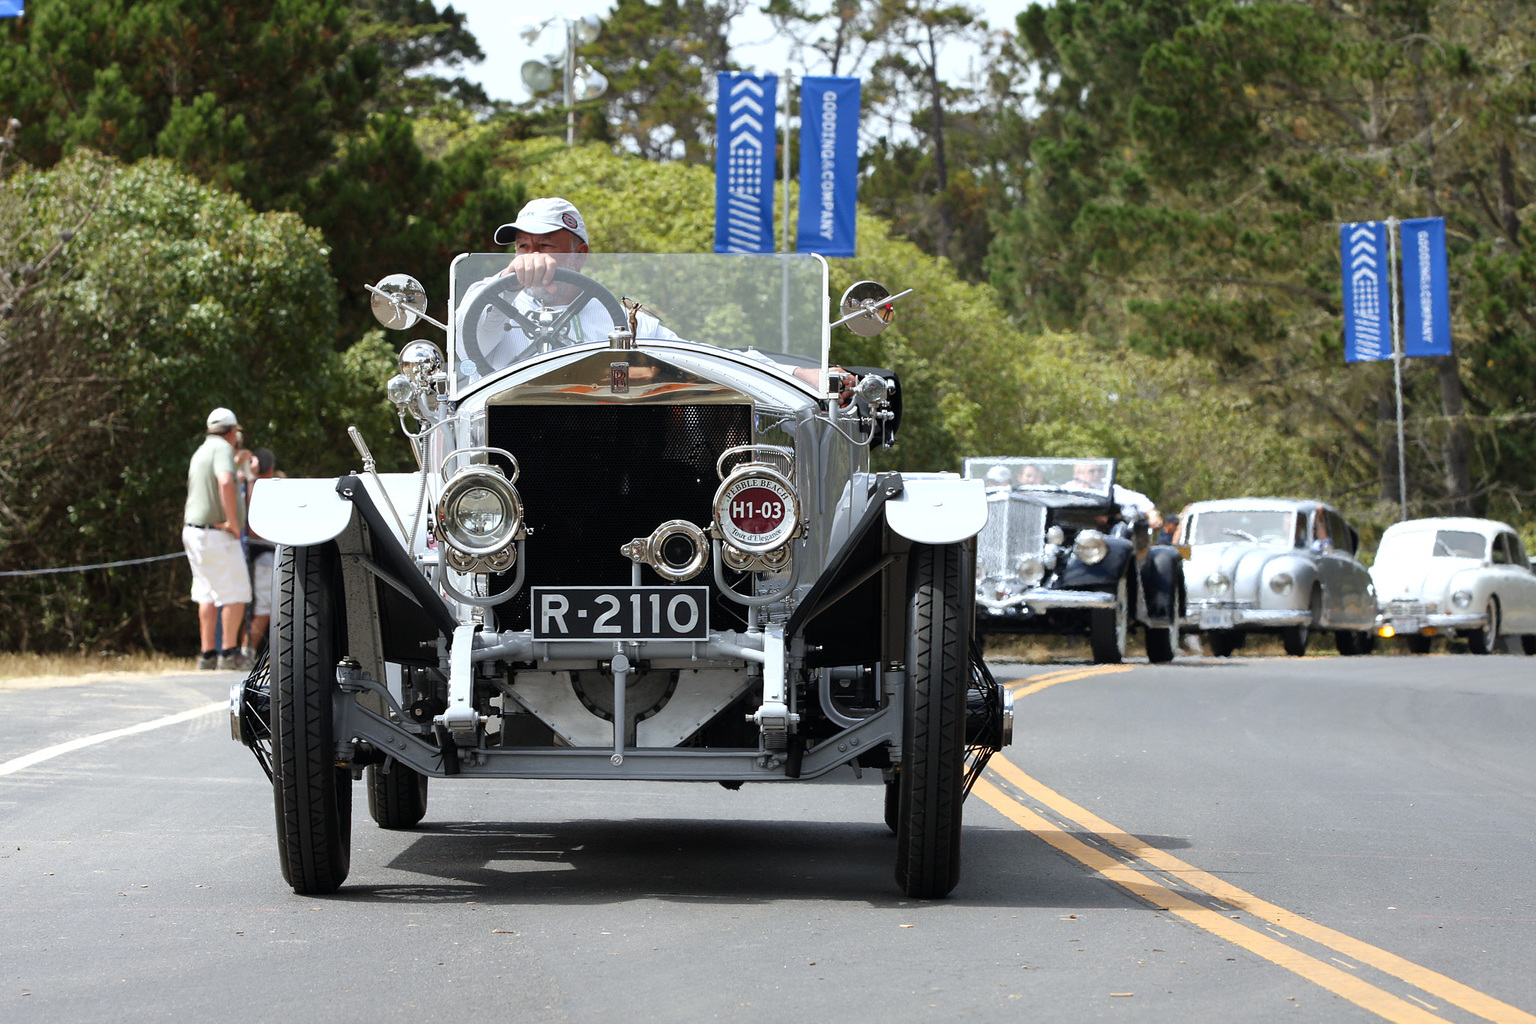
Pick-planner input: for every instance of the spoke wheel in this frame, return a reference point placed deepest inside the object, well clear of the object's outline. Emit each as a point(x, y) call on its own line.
point(932, 776)
point(396, 798)
point(1486, 640)
point(312, 797)
point(1109, 627)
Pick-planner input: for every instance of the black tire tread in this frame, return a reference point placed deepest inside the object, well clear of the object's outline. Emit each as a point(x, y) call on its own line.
point(312, 797)
point(933, 772)
point(397, 799)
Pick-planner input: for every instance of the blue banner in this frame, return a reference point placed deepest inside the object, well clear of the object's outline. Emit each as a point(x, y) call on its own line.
point(1426, 288)
point(12, 8)
point(1367, 291)
point(829, 165)
point(744, 162)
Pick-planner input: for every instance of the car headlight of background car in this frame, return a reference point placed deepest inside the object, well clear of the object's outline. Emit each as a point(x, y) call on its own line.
point(1462, 599)
point(1090, 547)
point(1282, 583)
point(480, 514)
point(1217, 583)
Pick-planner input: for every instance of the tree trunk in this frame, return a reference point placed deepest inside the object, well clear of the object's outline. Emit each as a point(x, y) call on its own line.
point(1457, 449)
point(1386, 463)
point(945, 228)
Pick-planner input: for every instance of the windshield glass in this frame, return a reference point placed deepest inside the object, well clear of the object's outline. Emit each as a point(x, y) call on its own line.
point(1436, 544)
point(774, 306)
point(1095, 476)
point(1268, 527)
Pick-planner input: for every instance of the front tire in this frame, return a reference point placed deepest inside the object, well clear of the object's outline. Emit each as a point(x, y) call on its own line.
point(1417, 643)
point(1294, 638)
point(932, 775)
point(396, 798)
point(312, 797)
point(1109, 627)
point(1224, 641)
point(1486, 640)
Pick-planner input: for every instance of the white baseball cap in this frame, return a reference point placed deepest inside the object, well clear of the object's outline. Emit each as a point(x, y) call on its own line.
point(540, 217)
point(221, 419)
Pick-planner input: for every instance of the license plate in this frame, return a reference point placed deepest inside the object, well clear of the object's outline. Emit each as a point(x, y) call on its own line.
point(621, 613)
point(1406, 625)
point(1216, 618)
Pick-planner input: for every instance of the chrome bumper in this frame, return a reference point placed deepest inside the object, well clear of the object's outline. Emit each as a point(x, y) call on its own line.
point(1437, 622)
point(1265, 618)
point(1042, 599)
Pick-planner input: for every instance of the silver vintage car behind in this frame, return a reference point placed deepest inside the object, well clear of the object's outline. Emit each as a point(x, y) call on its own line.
point(1276, 565)
point(633, 550)
point(1455, 577)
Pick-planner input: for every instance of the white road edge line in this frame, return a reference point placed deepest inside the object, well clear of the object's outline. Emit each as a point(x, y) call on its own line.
point(28, 760)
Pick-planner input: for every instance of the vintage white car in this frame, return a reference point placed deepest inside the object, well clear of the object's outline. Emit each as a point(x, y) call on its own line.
point(1455, 577)
point(1276, 565)
point(632, 550)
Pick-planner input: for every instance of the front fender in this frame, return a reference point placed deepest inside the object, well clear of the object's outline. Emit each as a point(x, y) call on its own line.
point(302, 512)
point(1075, 575)
point(937, 508)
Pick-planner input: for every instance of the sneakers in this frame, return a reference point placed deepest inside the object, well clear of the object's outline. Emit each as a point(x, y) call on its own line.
point(238, 660)
point(208, 661)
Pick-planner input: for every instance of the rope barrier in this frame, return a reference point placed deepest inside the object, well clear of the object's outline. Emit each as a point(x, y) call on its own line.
point(102, 565)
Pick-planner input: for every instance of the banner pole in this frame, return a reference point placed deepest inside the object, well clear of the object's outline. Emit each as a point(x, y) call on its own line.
point(784, 263)
point(1397, 368)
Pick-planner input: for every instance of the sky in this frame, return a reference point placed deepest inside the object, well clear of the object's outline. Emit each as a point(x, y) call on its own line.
point(754, 44)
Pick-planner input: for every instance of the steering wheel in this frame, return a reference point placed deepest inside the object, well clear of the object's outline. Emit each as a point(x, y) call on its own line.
point(555, 331)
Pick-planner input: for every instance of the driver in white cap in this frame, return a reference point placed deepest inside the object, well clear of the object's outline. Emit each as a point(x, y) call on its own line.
point(548, 235)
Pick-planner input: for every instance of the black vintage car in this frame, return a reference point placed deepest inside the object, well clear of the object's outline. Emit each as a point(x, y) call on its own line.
point(1066, 550)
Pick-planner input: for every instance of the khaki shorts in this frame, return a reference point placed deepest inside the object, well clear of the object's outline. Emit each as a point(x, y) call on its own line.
point(261, 582)
point(219, 574)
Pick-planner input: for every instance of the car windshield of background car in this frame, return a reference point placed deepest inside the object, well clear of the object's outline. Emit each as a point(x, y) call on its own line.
point(776, 304)
point(1420, 544)
point(1223, 527)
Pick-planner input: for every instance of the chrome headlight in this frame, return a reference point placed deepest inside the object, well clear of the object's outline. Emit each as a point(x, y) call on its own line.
point(1217, 583)
point(479, 513)
point(1090, 547)
point(1282, 583)
point(756, 510)
point(419, 361)
point(1031, 570)
point(1055, 537)
point(1462, 599)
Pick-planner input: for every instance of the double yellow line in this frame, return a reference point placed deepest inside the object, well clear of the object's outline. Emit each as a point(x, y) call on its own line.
point(1140, 876)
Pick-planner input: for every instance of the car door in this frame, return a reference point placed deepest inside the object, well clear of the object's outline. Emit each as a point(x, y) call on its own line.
point(1516, 585)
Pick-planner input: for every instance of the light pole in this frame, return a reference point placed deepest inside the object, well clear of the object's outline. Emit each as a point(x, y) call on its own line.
point(580, 82)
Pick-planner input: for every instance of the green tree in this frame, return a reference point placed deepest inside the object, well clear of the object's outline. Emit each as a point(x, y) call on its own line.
point(168, 298)
point(1186, 172)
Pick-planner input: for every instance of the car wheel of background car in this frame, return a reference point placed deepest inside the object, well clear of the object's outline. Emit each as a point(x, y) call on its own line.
point(893, 803)
point(1163, 643)
point(1486, 640)
point(933, 769)
point(1351, 642)
point(1224, 642)
point(313, 797)
point(396, 798)
point(1294, 638)
point(1528, 643)
point(1417, 643)
point(1108, 627)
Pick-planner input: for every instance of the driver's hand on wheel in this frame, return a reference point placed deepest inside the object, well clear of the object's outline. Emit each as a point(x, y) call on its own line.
point(533, 269)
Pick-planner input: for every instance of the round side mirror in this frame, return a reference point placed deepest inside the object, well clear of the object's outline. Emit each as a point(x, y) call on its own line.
point(398, 301)
point(865, 309)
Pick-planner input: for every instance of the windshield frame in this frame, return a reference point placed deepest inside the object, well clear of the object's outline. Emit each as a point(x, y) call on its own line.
point(702, 294)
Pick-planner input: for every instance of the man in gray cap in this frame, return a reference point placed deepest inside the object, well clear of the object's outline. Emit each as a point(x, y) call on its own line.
point(211, 535)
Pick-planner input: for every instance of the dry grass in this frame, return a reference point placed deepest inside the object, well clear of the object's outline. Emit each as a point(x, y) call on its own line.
point(47, 666)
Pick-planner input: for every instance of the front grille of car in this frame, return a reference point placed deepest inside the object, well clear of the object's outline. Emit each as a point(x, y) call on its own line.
point(595, 477)
point(1406, 607)
point(1013, 528)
